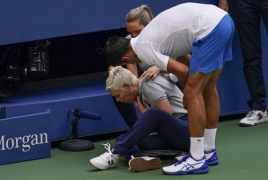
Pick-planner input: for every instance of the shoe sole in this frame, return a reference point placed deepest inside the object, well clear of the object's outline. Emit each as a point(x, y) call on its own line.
point(140, 164)
point(197, 171)
point(259, 122)
point(249, 125)
point(213, 163)
point(100, 167)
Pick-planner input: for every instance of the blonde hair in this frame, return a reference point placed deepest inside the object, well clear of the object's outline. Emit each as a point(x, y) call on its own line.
point(143, 14)
point(118, 77)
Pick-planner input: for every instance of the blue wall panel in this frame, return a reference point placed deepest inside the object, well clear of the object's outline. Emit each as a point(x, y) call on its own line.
point(29, 20)
point(25, 138)
point(91, 97)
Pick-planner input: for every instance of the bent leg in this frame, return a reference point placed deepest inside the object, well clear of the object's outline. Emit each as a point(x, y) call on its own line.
point(212, 102)
point(153, 142)
point(159, 121)
point(203, 106)
point(195, 104)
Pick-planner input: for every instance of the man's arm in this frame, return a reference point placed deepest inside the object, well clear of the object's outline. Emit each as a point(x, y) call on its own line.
point(133, 69)
point(223, 4)
point(185, 59)
point(179, 69)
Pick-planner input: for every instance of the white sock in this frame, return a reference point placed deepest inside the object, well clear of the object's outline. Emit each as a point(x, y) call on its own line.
point(209, 139)
point(197, 147)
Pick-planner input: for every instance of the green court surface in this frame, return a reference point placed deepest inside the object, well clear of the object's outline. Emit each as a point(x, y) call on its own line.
point(243, 154)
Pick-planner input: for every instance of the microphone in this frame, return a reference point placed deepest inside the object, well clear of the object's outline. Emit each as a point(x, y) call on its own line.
point(79, 113)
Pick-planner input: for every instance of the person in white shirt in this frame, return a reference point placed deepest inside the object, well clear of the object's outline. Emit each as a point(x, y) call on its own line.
point(204, 31)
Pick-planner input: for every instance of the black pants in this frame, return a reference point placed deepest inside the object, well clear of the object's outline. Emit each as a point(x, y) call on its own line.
point(248, 17)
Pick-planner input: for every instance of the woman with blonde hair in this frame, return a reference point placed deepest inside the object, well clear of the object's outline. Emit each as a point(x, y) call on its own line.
point(160, 103)
point(136, 20)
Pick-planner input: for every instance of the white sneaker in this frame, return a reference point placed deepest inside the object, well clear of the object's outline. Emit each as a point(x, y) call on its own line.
point(106, 160)
point(211, 157)
point(144, 163)
point(253, 118)
point(178, 158)
point(187, 165)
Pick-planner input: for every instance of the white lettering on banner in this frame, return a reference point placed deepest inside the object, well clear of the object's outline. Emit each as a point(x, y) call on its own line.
point(24, 142)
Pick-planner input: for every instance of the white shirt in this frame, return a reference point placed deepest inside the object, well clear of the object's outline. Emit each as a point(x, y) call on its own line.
point(172, 32)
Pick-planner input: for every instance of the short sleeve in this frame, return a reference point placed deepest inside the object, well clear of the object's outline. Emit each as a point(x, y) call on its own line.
point(153, 92)
point(149, 56)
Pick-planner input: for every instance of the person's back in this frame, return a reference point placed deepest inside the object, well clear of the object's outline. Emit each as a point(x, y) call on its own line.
point(198, 21)
point(160, 88)
point(174, 37)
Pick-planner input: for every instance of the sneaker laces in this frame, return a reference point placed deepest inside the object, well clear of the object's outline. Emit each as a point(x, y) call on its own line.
point(182, 160)
point(185, 159)
point(107, 146)
point(257, 115)
point(250, 113)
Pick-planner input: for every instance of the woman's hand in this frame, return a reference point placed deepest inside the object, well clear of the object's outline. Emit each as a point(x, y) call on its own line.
point(139, 105)
point(110, 68)
point(151, 73)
